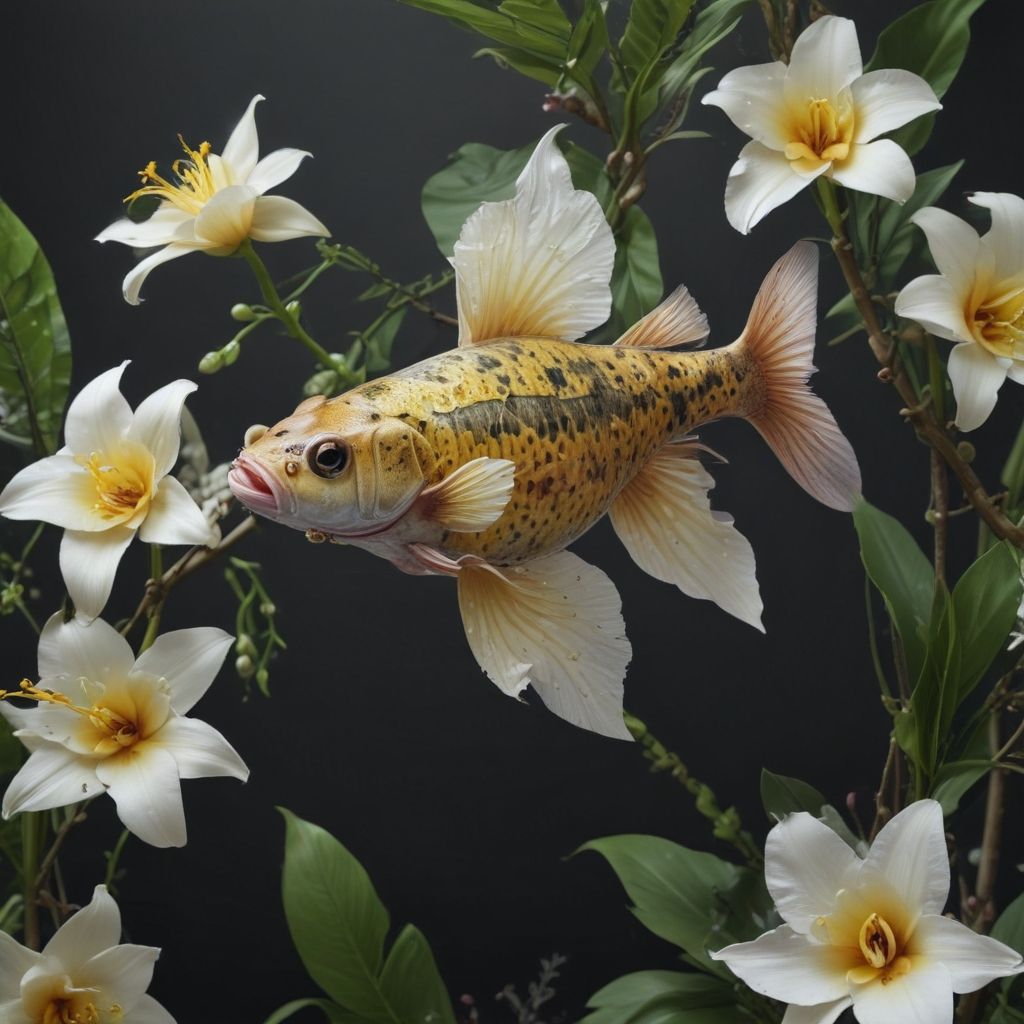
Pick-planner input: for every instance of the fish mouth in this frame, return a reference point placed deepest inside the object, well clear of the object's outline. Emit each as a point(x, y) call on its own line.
point(254, 487)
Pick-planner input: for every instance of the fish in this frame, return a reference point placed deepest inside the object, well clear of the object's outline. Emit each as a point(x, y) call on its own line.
point(484, 463)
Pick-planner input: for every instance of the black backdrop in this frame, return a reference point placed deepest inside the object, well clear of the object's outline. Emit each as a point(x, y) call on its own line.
point(462, 804)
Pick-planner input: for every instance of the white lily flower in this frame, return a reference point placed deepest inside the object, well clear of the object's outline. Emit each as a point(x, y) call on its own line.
point(108, 483)
point(83, 975)
point(111, 723)
point(976, 300)
point(866, 933)
point(217, 203)
point(818, 116)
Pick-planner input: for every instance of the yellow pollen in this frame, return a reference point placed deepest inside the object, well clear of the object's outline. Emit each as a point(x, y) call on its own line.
point(877, 942)
point(820, 133)
point(998, 324)
point(195, 185)
point(120, 488)
point(61, 1011)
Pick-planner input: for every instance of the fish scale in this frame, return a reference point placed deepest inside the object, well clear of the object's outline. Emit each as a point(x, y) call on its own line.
point(578, 421)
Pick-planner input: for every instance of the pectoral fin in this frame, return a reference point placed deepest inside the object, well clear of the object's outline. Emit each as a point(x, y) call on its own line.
point(470, 498)
point(556, 623)
point(677, 321)
point(665, 519)
point(539, 264)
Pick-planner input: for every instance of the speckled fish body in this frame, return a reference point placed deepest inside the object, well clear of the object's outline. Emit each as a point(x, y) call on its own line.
point(578, 421)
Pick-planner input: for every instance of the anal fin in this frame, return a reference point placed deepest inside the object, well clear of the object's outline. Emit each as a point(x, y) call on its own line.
point(556, 623)
point(664, 518)
point(472, 497)
point(677, 321)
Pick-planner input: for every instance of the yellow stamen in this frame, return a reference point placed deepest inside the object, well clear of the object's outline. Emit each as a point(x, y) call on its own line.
point(61, 1011)
point(877, 942)
point(998, 324)
point(822, 132)
point(120, 487)
point(195, 186)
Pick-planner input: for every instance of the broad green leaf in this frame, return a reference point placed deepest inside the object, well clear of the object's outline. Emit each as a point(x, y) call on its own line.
point(782, 795)
point(652, 27)
point(902, 574)
point(673, 889)
point(985, 600)
point(588, 43)
point(636, 280)
point(1009, 929)
point(954, 779)
point(663, 996)
point(476, 174)
point(378, 342)
point(931, 40)
point(35, 350)
point(526, 63)
point(410, 978)
point(1012, 476)
point(337, 922)
point(334, 1013)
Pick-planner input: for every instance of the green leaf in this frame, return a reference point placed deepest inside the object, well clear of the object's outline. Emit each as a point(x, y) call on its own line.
point(931, 40)
point(652, 27)
point(588, 43)
point(1009, 929)
point(673, 889)
point(782, 795)
point(12, 753)
point(526, 63)
point(985, 602)
point(334, 1013)
point(379, 341)
point(1012, 476)
point(636, 279)
point(902, 574)
point(338, 925)
point(954, 779)
point(649, 996)
point(35, 350)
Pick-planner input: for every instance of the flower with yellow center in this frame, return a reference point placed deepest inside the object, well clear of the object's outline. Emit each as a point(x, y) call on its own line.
point(106, 722)
point(82, 976)
point(817, 116)
point(109, 482)
point(866, 933)
point(213, 202)
point(976, 300)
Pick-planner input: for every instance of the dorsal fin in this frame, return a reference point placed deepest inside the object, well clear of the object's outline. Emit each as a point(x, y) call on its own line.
point(539, 264)
point(677, 321)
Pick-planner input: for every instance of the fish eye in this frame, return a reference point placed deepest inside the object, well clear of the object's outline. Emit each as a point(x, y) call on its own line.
point(328, 458)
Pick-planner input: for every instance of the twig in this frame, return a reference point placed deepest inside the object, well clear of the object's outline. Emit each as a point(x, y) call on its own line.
point(939, 514)
point(75, 817)
point(883, 812)
point(988, 866)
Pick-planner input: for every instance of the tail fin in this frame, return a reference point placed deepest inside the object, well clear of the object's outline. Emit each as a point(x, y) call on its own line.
point(779, 341)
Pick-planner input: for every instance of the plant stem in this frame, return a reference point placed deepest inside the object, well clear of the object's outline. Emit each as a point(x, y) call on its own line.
point(33, 829)
point(156, 571)
point(114, 857)
point(726, 825)
point(939, 514)
point(921, 415)
point(988, 866)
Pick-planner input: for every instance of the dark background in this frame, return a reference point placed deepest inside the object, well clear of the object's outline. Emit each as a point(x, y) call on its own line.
point(462, 804)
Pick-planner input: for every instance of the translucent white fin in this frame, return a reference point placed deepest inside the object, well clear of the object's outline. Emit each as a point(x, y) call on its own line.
point(779, 341)
point(665, 519)
point(677, 321)
point(539, 264)
point(556, 623)
point(472, 497)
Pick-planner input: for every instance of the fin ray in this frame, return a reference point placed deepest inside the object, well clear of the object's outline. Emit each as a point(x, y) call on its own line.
point(472, 497)
point(678, 320)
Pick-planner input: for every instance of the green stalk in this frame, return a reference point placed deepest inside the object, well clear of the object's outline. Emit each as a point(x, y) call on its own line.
point(33, 834)
point(156, 571)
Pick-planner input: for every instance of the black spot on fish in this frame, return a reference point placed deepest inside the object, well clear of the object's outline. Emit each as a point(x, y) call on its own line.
point(679, 407)
point(485, 362)
point(375, 416)
point(673, 371)
point(556, 377)
point(503, 378)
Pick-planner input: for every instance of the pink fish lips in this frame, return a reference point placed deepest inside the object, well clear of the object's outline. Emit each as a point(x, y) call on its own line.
point(253, 486)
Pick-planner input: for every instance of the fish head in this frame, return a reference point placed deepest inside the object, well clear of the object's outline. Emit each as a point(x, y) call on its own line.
point(338, 467)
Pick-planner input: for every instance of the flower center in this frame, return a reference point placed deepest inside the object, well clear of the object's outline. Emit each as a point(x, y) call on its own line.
point(65, 1011)
point(122, 484)
point(820, 133)
point(195, 186)
point(998, 324)
point(877, 942)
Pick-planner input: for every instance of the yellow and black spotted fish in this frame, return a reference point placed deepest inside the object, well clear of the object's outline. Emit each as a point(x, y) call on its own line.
point(486, 462)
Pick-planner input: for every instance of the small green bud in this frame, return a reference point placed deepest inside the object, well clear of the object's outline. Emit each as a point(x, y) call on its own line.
point(322, 383)
point(243, 313)
point(244, 666)
point(230, 352)
point(267, 609)
point(211, 363)
point(294, 308)
point(966, 451)
point(245, 646)
point(262, 679)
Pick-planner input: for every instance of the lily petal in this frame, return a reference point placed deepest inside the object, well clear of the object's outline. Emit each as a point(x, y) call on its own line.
point(146, 788)
point(972, 960)
point(760, 180)
point(175, 518)
point(277, 219)
point(157, 424)
point(806, 864)
point(93, 930)
point(924, 996)
point(167, 224)
point(200, 750)
point(954, 247)
point(880, 168)
point(931, 301)
point(224, 221)
point(122, 973)
point(96, 651)
point(790, 967)
point(822, 1013)
point(976, 376)
point(15, 961)
point(243, 147)
point(274, 168)
point(53, 776)
point(88, 563)
point(54, 490)
point(99, 416)
point(148, 1011)
point(889, 99)
point(909, 854)
point(752, 98)
point(825, 60)
point(1006, 236)
point(189, 659)
point(135, 278)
